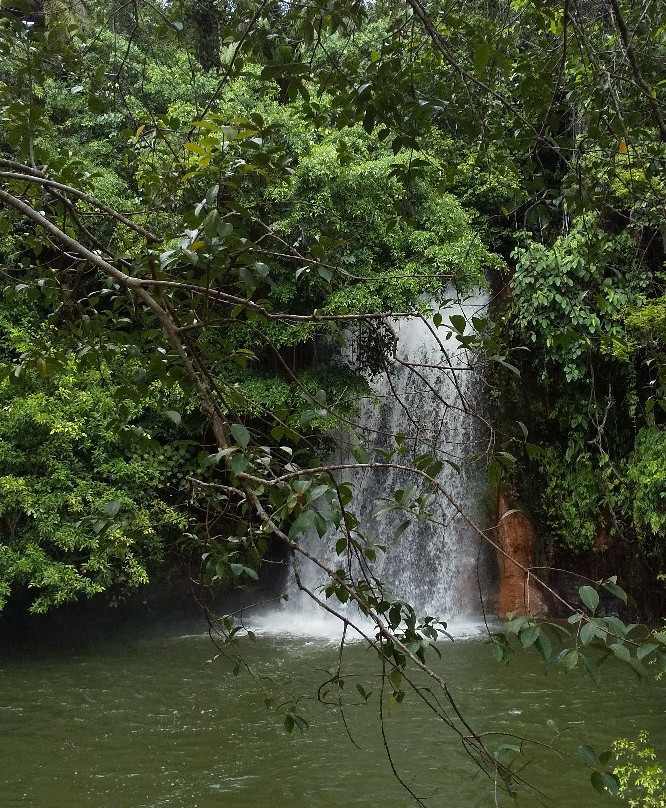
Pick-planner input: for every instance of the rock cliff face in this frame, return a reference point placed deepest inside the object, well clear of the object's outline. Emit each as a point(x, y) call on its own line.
point(517, 542)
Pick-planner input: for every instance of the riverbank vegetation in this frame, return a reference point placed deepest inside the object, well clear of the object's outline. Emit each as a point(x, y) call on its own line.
point(198, 205)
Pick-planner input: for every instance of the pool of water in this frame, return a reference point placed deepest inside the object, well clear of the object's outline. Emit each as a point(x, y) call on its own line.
point(152, 716)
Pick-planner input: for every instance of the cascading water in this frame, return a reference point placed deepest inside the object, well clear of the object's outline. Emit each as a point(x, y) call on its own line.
point(429, 396)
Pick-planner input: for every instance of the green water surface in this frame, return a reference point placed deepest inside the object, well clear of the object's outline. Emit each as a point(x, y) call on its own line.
point(148, 718)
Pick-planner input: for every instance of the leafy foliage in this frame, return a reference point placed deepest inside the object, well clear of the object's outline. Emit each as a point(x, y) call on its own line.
point(93, 482)
point(568, 298)
point(641, 778)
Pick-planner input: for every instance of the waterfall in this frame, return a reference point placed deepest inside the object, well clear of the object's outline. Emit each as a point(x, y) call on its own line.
point(440, 566)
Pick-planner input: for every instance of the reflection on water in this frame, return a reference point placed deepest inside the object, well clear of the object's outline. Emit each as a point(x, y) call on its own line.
point(129, 721)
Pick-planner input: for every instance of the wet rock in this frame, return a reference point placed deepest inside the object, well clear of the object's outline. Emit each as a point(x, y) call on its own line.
point(516, 540)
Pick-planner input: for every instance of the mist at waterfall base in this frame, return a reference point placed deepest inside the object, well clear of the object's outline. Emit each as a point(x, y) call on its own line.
point(440, 566)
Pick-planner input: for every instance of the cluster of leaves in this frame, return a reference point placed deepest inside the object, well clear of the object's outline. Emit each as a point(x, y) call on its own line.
point(94, 472)
point(591, 641)
point(641, 779)
point(569, 297)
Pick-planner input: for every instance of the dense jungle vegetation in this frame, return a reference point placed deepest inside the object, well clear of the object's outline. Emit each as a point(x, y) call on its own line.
point(199, 199)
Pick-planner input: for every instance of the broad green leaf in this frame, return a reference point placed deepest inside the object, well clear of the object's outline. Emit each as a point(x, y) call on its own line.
point(616, 590)
point(239, 463)
point(174, 416)
point(621, 651)
point(242, 569)
point(529, 636)
point(597, 782)
point(544, 646)
point(587, 633)
point(590, 597)
point(610, 782)
point(646, 649)
point(240, 434)
point(482, 54)
point(588, 754)
point(111, 508)
point(458, 322)
point(401, 528)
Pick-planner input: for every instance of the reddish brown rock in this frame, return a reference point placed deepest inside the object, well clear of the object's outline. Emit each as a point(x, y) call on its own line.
point(516, 541)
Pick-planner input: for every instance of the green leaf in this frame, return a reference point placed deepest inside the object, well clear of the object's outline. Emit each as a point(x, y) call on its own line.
point(529, 636)
point(570, 659)
point(214, 459)
point(360, 454)
point(241, 569)
point(621, 651)
point(544, 646)
point(303, 522)
point(604, 781)
point(591, 668)
point(587, 633)
point(395, 678)
point(100, 525)
point(458, 322)
point(111, 509)
point(174, 416)
point(241, 435)
point(645, 649)
point(247, 277)
point(318, 491)
point(239, 463)
point(365, 694)
point(211, 194)
point(588, 754)
point(616, 626)
point(482, 54)
point(605, 757)
point(556, 660)
point(401, 528)
point(611, 782)
point(597, 782)
point(590, 597)
point(616, 590)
